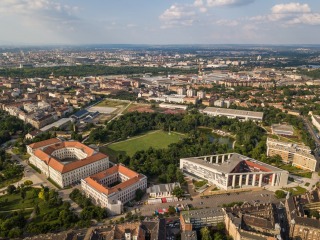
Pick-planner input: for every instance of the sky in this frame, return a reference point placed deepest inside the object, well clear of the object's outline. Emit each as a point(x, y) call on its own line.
point(44, 22)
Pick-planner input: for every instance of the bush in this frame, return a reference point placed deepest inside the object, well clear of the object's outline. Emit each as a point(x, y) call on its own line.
point(11, 189)
point(280, 194)
point(28, 183)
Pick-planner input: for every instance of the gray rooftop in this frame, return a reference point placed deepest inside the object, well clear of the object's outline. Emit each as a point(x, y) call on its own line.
point(229, 164)
point(233, 112)
point(282, 127)
point(163, 188)
point(252, 236)
point(202, 213)
point(56, 124)
point(290, 147)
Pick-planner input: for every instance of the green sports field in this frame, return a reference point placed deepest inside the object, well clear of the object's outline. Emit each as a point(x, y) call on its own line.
point(155, 139)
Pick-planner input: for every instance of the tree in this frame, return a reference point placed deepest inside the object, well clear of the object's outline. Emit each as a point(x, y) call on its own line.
point(171, 210)
point(280, 194)
point(43, 194)
point(23, 193)
point(11, 189)
point(178, 192)
point(315, 213)
point(37, 210)
point(15, 232)
point(139, 194)
point(221, 227)
point(205, 233)
point(28, 183)
point(218, 236)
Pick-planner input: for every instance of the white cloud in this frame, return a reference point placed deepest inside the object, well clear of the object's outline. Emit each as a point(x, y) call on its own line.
point(308, 19)
point(178, 15)
point(198, 3)
point(226, 22)
point(290, 8)
point(31, 6)
point(218, 3)
point(289, 14)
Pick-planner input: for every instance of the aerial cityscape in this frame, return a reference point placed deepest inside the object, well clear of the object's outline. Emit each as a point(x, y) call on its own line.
point(160, 120)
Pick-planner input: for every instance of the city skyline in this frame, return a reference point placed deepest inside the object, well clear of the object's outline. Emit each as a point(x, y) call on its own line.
point(159, 22)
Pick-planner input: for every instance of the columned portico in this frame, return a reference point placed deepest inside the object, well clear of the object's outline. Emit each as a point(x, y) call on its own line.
point(247, 179)
point(223, 170)
point(260, 180)
point(253, 179)
point(273, 179)
point(233, 181)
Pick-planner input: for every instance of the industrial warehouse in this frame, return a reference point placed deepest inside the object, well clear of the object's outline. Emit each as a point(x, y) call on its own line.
point(233, 113)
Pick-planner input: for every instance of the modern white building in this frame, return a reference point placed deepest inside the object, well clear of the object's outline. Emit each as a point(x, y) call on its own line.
point(201, 94)
point(233, 113)
point(191, 92)
point(173, 98)
point(162, 190)
point(173, 106)
point(232, 170)
point(181, 91)
point(222, 103)
point(113, 187)
point(66, 162)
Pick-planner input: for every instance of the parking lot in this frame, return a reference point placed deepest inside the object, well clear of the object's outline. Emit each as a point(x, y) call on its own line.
point(263, 196)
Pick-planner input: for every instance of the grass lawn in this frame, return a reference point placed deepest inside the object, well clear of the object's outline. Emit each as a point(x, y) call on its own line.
point(109, 103)
point(10, 181)
point(296, 171)
point(155, 139)
point(199, 184)
point(296, 190)
point(15, 202)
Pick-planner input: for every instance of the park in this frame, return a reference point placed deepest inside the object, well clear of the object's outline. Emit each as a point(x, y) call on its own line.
point(154, 139)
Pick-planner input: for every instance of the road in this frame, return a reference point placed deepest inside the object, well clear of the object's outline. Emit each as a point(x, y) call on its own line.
point(310, 129)
point(120, 113)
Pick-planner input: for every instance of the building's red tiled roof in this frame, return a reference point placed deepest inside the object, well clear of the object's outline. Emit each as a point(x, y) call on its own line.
point(45, 155)
point(116, 168)
point(44, 143)
point(261, 168)
point(72, 144)
point(93, 181)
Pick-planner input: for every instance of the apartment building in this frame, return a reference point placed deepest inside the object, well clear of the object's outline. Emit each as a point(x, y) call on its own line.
point(196, 219)
point(247, 222)
point(301, 225)
point(296, 154)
